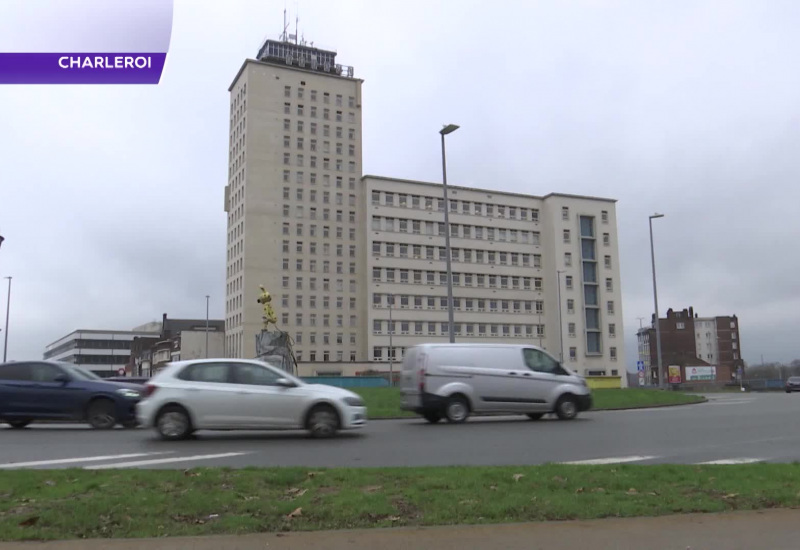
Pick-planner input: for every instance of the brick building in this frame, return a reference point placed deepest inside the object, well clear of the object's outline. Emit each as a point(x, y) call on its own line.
point(690, 340)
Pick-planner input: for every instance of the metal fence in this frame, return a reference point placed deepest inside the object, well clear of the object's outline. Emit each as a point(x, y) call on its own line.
point(349, 381)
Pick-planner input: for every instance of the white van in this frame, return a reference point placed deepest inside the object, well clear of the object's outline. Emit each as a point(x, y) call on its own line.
point(453, 381)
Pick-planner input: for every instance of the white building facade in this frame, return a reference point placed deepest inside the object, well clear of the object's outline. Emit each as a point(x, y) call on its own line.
point(101, 351)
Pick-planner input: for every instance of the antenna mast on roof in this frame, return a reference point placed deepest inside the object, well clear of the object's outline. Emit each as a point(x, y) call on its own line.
point(285, 26)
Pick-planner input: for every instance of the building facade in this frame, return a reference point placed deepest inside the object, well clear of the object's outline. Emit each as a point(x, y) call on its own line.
point(176, 340)
point(509, 254)
point(336, 250)
point(292, 200)
point(690, 340)
point(101, 351)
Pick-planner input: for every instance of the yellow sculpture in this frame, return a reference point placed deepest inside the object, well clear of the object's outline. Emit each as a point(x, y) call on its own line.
point(269, 316)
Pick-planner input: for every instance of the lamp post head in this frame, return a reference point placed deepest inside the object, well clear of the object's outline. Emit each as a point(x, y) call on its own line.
point(654, 216)
point(1, 240)
point(449, 129)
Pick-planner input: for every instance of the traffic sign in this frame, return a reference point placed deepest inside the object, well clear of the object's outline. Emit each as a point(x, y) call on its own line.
point(121, 371)
point(640, 366)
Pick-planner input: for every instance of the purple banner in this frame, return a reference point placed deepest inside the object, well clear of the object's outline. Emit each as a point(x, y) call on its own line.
point(81, 68)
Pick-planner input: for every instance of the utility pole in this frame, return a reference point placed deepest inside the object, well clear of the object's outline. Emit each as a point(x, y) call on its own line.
point(450, 128)
point(560, 322)
point(391, 346)
point(8, 309)
point(207, 298)
point(661, 377)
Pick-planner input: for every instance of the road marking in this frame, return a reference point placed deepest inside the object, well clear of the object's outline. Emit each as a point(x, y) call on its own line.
point(73, 460)
point(613, 460)
point(732, 461)
point(138, 463)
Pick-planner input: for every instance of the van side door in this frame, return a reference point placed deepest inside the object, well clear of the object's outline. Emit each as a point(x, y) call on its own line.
point(542, 377)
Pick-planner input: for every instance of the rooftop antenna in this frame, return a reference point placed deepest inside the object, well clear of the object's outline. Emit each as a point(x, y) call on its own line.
point(296, 24)
point(285, 26)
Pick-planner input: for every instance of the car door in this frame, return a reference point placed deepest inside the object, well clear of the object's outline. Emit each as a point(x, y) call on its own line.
point(17, 395)
point(57, 393)
point(266, 404)
point(210, 397)
point(540, 380)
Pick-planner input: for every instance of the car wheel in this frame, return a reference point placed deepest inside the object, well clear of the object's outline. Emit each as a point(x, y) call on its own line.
point(173, 423)
point(18, 424)
point(323, 421)
point(535, 416)
point(101, 415)
point(567, 408)
point(432, 417)
point(130, 424)
point(457, 409)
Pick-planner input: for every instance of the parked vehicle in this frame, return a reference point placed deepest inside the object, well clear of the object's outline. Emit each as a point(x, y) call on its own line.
point(453, 381)
point(235, 394)
point(55, 391)
point(793, 384)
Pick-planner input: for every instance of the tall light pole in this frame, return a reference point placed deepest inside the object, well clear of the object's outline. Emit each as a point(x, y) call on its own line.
point(8, 308)
point(207, 298)
point(449, 129)
point(391, 346)
point(655, 300)
point(560, 322)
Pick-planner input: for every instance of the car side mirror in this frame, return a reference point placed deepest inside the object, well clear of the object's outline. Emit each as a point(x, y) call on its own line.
point(62, 378)
point(284, 383)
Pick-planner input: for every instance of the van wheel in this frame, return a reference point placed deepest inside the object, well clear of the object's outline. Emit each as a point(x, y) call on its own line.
point(567, 408)
point(432, 417)
point(457, 410)
point(535, 416)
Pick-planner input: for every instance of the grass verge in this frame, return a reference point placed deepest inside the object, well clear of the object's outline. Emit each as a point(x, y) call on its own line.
point(68, 504)
point(385, 402)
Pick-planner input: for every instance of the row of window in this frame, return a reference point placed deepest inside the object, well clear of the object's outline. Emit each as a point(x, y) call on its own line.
point(312, 94)
point(479, 232)
point(493, 305)
point(312, 320)
point(326, 301)
point(300, 179)
point(300, 110)
point(325, 196)
point(380, 353)
point(426, 202)
point(313, 146)
point(300, 210)
point(338, 165)
point(326, 338)
point(325, 249)
point(314, 356)
point(312, 284)
point(406, 276)
point(468, 255)
point(428, 328)
point(326, 266)
point(592, 317)
point(313, 129)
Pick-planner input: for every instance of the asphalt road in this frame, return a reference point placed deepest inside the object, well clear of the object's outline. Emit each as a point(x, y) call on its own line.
point(730, 428)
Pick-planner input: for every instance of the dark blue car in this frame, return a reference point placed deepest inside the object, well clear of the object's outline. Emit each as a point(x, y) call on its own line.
point(55, 391)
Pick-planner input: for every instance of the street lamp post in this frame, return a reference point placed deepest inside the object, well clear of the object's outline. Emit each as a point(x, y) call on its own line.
point(207, 298)
point(391, 345)
point(449, 129)
point(560, 323)
point(8, 308)
point(655, 300)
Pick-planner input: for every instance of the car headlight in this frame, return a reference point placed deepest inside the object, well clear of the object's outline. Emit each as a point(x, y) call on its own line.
point(354, 401)
point(130, 394)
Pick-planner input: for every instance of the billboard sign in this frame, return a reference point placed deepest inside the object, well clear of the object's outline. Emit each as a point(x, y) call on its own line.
point(701, 373)
point(674, 374)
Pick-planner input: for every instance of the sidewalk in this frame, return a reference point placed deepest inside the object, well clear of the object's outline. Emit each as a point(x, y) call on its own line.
point(772, 530)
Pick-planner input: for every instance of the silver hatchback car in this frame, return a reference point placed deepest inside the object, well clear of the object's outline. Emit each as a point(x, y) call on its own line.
point(236, 394)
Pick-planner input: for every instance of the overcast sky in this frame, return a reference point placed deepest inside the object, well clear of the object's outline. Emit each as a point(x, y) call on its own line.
point(111, 197)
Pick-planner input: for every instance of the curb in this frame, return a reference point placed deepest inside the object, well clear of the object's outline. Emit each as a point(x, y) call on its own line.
point(662, 406)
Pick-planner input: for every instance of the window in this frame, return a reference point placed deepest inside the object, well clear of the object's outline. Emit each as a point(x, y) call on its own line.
point(612, 352)
point(566, 236)
point(206, 372)
point(610, 288)
point(607, 262)
point(570, 306)
point(612, 330)
point(573, 354)
point(571, 329)
point(680, 326)
point(606, 239)
point(565, 212)
point(254, 375)
point(610, 307)
point(567, 259)
point(538, 361)
point(604, 216)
